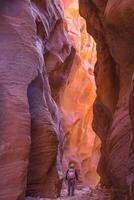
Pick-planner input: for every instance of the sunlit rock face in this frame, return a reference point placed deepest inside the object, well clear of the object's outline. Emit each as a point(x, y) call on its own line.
point(77, 97)
point(111, 24)
point(44, 177)
point(58, 50)
point(30, 125)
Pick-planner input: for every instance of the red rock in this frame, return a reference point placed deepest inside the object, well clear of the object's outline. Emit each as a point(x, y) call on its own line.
point(31, 133)
point(45, 173)
point(77, 97)
point(58, 52)
point(111, 24)
point(18, 61)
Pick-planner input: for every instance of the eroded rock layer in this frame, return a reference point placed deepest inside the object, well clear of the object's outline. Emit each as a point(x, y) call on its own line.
point(53, 41)
point(111, 24)
point(18, 67)
point(77, 97)
point(58, 50)
point(31, 136)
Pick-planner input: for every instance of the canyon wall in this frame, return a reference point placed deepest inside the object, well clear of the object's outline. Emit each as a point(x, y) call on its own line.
point(57, 52)
point(110, 22)
point(31, 136)
point(18, 67)
point(77, 97)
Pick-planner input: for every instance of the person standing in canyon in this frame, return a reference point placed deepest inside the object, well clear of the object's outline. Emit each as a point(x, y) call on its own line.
point(71, 177)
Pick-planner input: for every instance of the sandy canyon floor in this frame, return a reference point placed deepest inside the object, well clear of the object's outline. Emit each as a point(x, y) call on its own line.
point(82, 193)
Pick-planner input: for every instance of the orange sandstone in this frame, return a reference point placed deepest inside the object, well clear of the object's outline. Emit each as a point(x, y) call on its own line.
point(77, 97)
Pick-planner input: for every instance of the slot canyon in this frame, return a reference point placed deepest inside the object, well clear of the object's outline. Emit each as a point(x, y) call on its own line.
point(66, 94)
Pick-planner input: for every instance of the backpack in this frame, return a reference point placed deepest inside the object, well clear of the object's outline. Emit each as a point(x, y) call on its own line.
point(71, 174)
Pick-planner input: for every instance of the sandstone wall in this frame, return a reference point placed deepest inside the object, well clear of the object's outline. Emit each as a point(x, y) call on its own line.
point(59, 53)
point(111, 25)
point(58, 50)
point(31, 136)
point(77, 97)
point(18, 67)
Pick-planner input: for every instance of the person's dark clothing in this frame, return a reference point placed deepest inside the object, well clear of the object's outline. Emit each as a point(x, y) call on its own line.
point(71, 187)
point(71, 183)
point(76, 174)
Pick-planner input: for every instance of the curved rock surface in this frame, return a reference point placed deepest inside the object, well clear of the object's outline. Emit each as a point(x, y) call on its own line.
point(77, 97)
point(58, 50)
point(18, 67)
point(31, 133)
point(110, 22)
point(54, 43)
point(59, 55)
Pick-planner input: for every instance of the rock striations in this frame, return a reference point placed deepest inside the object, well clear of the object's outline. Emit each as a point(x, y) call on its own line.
point(77, 97)
point(110, 22)
point(31, 134)
point(37, 70)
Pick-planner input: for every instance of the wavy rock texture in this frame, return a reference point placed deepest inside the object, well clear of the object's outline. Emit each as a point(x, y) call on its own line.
point(18, 67)
point(77, 97)
point(58, 55)
point(58, 50)
point(110, 22)
point(30, 120)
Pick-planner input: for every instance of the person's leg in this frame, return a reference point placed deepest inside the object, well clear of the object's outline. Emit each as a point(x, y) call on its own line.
point(73, 187)
point(69, 188)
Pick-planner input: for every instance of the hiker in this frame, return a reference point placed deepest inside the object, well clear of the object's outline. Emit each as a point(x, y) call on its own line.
point(71, 177)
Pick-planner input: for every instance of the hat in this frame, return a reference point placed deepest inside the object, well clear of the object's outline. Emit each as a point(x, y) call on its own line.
point(71, 164)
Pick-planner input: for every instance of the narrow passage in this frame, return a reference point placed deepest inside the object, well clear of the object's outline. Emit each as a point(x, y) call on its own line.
point(83, 193)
